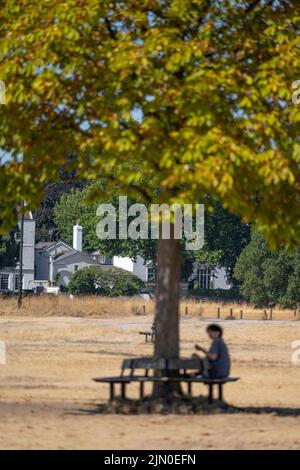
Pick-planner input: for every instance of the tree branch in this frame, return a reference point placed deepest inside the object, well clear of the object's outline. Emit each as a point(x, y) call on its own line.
point(110, 29)
point(252, 6)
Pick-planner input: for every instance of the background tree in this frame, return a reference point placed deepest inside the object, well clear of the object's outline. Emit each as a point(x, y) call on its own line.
point(8, 250)
point(81, 206)
point(266, 277)
point(43, 215)
point(195, 95)
point(225, 234)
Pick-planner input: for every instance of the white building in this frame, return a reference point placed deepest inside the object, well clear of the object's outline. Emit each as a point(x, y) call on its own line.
point(202, 276)
point(9, 277)
point(48, 263)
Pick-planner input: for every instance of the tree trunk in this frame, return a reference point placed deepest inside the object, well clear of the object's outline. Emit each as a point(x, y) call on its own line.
point(167, 309)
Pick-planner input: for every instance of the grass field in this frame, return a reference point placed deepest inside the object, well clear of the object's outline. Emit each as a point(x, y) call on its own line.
point(55, 346)
point(101, 307)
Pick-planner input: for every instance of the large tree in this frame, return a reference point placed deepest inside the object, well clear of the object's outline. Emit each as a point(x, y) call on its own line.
point(194, 94)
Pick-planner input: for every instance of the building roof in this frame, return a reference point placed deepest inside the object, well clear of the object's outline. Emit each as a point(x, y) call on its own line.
point(48, 246)
point(28, 215)
point(81, 254)
point(41, 245)
point(67, 253)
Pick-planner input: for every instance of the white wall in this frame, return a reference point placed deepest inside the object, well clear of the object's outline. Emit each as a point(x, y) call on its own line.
point(28, 244)
point(140, 269)
point(136, 267)
point(28, 279)
point(220, 281)
point(123, 262)
point(67, 265)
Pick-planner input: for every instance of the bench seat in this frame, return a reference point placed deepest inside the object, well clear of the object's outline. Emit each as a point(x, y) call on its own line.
point(146, 334)
point(165, 369)
point(125, 380)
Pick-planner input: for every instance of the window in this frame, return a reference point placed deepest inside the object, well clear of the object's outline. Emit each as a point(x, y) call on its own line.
point(17, 277)
point(205, 277)
point(4, 281)
point(18, 235)
point(151, 274)
point(103, 259)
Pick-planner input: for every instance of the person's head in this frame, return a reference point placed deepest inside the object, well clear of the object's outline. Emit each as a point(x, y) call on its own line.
point(214, 331)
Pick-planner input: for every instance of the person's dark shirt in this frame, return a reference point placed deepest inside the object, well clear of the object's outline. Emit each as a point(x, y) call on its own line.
point(220, 367)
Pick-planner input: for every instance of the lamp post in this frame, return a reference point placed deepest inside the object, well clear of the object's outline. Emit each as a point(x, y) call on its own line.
point(20, 283)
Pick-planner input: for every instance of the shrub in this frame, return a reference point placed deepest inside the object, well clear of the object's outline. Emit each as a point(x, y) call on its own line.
point(109, 282)
point(216, 294)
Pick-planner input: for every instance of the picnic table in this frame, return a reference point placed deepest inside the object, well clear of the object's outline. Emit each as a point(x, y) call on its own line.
point(148, 368)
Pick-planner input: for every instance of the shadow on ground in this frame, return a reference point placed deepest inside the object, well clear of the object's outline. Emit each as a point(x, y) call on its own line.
point(183, 406)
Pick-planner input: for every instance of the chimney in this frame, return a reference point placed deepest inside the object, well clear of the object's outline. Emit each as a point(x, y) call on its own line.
point(77, 237)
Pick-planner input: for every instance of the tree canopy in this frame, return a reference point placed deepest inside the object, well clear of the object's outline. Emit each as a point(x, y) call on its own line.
point(196, 95)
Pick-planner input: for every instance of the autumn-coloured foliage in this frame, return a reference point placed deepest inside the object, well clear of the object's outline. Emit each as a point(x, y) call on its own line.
point(194, 94)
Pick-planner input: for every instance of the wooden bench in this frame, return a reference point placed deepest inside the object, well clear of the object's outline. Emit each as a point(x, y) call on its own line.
point(186, 374)
point(149, 333)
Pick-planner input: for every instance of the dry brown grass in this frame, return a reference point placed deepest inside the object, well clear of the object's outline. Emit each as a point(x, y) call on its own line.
point(62, 305)
point(48, 400)
point(104, 307)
